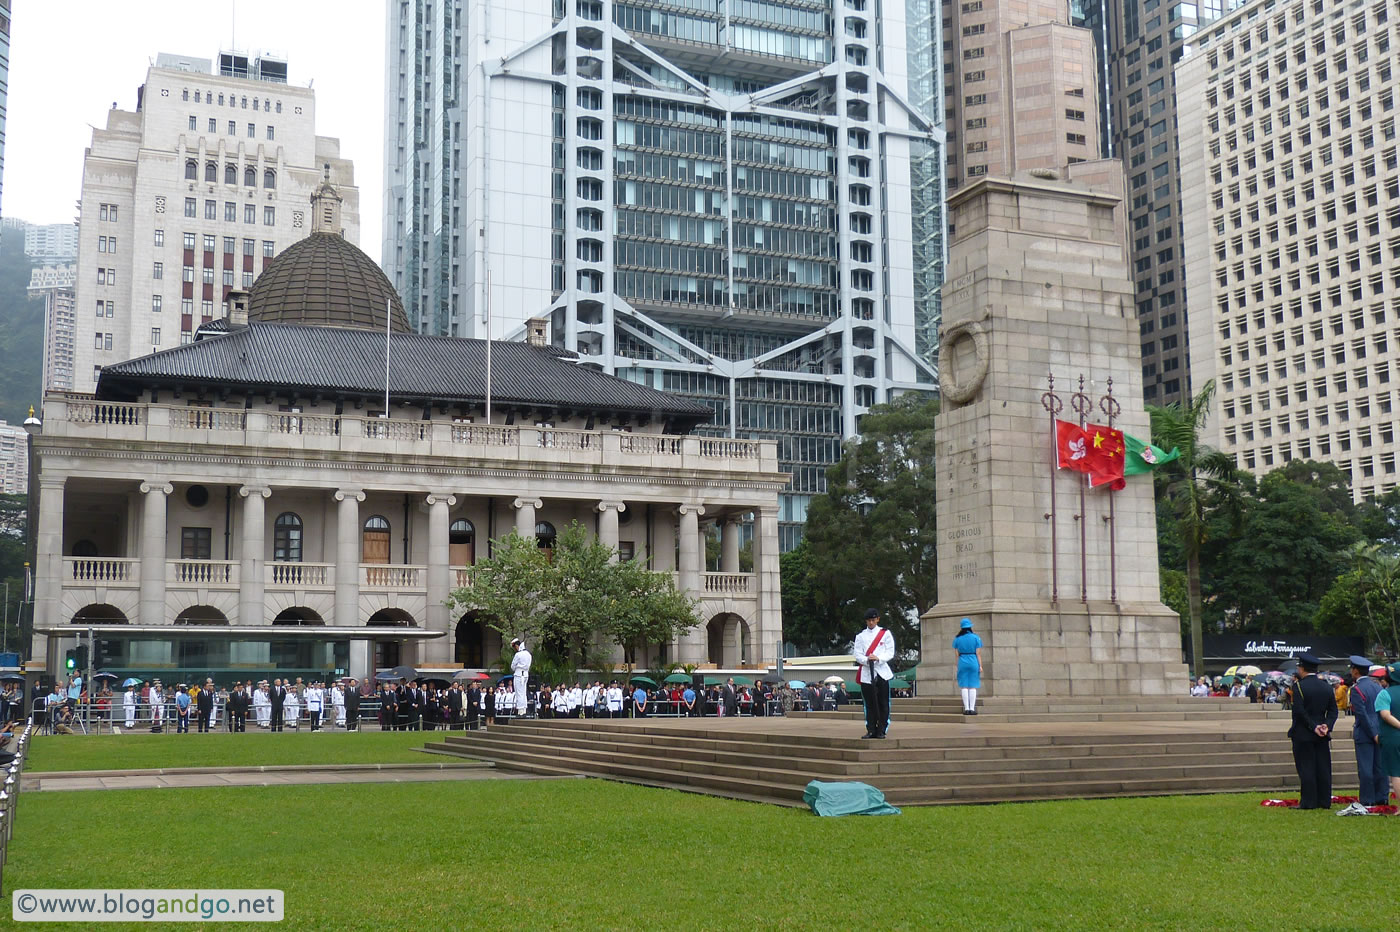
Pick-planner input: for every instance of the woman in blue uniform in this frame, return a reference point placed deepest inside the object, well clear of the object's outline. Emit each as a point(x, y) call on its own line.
point(969, 648)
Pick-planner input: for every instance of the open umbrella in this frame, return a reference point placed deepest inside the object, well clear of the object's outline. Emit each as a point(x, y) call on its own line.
point(714, 681)
point(508, 676)
point(389, 676)
point(797, 684)
point(743, 681)
point(911, 674)
point(12, 676)
point(464, 675)
point(433, 678)
point(644, 681)
point(131, 681)
point(1247, 669)
point(834, 679)
point(677, 678)
point(105, 676)
point(405, 672)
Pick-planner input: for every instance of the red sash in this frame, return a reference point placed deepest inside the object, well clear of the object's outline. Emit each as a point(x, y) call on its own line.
point(869, 652)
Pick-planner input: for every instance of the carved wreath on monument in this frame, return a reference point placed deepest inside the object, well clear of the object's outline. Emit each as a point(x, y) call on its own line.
point(958, 382)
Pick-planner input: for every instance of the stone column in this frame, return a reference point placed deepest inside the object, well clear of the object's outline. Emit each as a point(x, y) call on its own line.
point(525, 515)
point(252, 555)
point(768, 617)
point(692, 644)
point(663, 543)
point(48, 571)
point(152, 597)
point(439, 575)
point(347, 557)
point(729, 544)
point(607, 525)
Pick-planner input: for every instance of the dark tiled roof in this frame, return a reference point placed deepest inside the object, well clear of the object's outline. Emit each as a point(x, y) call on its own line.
point(334, 361)
point(325, 280)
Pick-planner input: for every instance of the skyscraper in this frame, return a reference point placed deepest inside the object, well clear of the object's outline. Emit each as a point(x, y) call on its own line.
point(54, 283)
point(1023, 93)
point(191, 195)
point(1145, 39)
point(737, 200)
point(1291, 199)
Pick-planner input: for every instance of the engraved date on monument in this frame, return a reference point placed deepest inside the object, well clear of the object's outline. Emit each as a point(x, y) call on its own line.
point(966, 570)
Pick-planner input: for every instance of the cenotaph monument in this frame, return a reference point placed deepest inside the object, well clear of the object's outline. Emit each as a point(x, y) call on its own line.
point(1059, 579)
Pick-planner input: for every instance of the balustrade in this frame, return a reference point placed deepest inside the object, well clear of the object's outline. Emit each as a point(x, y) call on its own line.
point(103, 571)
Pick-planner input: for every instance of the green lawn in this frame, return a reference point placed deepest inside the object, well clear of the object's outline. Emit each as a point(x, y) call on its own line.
point(221, 749)
point(587, 854)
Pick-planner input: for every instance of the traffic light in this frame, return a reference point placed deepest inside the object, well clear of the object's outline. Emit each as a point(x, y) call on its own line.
point(80, 656)
point(71, 663)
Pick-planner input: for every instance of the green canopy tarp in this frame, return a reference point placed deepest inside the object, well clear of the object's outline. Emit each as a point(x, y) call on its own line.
point(911, 674)
point(838, 799)
point(898, 683)
point(678, 678)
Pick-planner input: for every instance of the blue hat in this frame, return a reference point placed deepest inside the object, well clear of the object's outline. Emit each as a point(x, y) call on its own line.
point(1308, 659)
point(966, 625)
point(1359, 661)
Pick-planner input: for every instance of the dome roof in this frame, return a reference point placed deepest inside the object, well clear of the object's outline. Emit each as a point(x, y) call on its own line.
point(324, 280)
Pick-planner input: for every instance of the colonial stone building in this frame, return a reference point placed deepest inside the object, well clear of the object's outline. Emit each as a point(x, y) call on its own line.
point(248, 504)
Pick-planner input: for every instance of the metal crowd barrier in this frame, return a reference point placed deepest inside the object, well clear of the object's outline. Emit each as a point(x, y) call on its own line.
point(9, 796)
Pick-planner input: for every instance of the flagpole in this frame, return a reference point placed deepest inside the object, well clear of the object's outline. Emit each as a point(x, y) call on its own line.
point(1109, 406)
point(388, 316)
point(1052, 404)
point(1082, 405)
point(488, 347)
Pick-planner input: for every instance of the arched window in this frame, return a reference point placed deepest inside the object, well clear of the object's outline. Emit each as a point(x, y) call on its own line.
point(250, 177)
point(269, 179)
point(191, 170)
point(286, 538)
point(230, 174)
point(546, 535)
point(84, 548)
point(211, 171)
point(461, 543)
point(375, 540)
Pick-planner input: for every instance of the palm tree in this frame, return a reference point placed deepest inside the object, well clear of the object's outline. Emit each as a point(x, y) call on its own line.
point(1380, 583)
point(1201, 479)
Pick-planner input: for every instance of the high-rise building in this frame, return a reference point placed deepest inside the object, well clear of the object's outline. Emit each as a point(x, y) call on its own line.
point(1143, 40)
point(737, 200)
point(189, 196)
point(1291, 200)
point(4, 78)
point(51, 242)
point(54, 283)
point(1022, 91)
point(14, 460)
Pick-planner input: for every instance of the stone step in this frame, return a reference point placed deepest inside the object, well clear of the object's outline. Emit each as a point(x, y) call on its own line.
point(784, 784)
point(1021, 702)
point(883, 759)
point(1011, 706)
point(1091, 715)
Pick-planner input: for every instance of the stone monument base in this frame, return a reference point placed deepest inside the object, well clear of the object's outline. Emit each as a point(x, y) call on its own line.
point(1058, 649)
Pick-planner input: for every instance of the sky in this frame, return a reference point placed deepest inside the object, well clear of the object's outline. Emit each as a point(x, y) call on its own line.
point(70, 59)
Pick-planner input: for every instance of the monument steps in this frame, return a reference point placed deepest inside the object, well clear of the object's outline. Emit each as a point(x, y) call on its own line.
point(1088, 715)
point(920, 769)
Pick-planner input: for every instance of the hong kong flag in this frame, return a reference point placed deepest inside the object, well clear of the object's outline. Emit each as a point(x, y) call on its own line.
point(1093, 449)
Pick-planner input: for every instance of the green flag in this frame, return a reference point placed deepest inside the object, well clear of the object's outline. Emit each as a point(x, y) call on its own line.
point(1144, 457)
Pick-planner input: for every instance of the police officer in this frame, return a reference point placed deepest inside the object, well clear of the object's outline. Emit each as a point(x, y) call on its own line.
point(1314, 715)
point(1365, 733)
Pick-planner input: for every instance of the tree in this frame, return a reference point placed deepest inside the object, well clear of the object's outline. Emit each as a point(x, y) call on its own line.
point(810, 606)
point(1271, 577)
point(567, 604)
point(1190, 484)
point(1366, 599)
point(873, 535)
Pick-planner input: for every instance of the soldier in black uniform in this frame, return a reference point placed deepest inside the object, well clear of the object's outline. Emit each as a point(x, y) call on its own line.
point(1314, 715)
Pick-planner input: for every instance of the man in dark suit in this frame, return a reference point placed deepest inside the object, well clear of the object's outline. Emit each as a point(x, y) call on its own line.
point(205, 704)
point(277, 697)
point(1314, 715)
point(352, 706)
point(455, 699)
point(729, 698)
point(238, 704)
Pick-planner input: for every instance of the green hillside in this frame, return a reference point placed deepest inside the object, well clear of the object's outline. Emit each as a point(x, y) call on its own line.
point(21, 333)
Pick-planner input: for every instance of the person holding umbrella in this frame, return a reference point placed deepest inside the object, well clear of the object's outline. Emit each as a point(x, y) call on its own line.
point(873, 650)
point(520, 666)
point(969, 648)
point(129, 700)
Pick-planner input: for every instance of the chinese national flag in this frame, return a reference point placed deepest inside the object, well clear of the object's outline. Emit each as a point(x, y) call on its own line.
point(1093, 449)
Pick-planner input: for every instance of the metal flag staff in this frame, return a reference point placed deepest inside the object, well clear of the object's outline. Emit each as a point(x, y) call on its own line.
point(1083, 406)
point(1052, 404)
point(1111, 409)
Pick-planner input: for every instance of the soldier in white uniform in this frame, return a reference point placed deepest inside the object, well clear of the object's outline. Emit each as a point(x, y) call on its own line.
point(156, 698)
point(873, 650)
point(614, 701)
point(520, 666)
point(129, 700)
point(338, 703)
point(315, 703)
